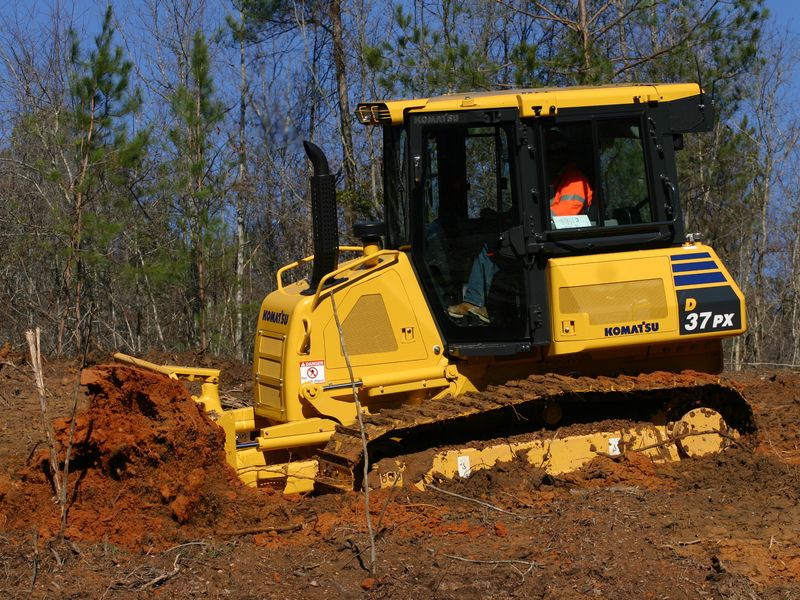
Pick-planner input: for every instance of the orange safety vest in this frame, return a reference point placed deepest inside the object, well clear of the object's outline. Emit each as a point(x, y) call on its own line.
point(573, 193)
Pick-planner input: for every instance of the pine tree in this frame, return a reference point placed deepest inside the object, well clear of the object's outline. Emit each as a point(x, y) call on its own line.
point(198, 114)
point(91, 157)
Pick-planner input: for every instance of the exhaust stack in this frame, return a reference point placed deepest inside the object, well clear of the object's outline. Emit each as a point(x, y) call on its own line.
point(323, 216)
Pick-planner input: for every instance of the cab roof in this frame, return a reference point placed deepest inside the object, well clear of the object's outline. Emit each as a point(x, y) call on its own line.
point(530, 102)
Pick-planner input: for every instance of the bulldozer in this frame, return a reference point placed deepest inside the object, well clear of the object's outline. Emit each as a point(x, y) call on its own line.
point(597, 332)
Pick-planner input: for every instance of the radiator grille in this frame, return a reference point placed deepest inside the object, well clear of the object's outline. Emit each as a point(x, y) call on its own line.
point(367, 328)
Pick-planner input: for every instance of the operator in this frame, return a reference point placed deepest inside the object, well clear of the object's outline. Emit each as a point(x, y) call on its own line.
point(571, 194)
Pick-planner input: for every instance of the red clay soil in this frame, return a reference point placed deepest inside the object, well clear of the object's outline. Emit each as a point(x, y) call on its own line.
point(155, 511)
point(147, 468)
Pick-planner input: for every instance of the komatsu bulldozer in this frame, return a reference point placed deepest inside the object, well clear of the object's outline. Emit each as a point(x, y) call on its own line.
point(599, 332)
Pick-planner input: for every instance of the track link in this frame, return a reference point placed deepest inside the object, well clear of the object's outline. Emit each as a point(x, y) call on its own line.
point(516, 407)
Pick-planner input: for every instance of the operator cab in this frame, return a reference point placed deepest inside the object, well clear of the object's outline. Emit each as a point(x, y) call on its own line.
point(472, 193)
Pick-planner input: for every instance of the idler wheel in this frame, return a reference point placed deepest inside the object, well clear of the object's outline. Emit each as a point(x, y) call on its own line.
point(700, 432)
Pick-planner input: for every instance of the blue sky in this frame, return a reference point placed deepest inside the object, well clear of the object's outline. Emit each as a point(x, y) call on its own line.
point(786, 13)
point(86, 15)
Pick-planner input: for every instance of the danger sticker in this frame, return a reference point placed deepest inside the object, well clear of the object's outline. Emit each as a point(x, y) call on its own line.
point(312, 371)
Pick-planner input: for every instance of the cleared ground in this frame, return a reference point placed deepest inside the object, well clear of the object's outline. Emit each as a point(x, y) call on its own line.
point(154, 512)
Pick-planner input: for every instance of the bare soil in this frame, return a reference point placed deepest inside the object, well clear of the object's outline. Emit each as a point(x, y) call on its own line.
point(155, 512)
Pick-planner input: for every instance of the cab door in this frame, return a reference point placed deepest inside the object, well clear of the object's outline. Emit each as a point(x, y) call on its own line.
point(468, 240)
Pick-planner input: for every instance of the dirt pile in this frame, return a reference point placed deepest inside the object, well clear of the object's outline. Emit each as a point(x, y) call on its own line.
point(147, 469)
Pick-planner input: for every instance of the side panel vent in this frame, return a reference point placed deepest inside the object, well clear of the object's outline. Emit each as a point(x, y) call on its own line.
point(367, 328)
point(610, 303)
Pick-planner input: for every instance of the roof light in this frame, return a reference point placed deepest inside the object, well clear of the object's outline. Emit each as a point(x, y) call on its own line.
point(373, 113)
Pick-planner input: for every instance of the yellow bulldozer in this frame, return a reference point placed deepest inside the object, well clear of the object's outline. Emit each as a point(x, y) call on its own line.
point(530, 293)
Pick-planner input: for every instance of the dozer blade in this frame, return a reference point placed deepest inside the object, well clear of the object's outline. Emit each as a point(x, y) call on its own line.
point(669, 416)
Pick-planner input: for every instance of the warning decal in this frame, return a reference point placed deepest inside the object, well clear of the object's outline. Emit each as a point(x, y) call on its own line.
point(312, 371)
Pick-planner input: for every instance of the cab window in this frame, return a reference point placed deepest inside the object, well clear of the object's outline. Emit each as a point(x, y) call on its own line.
point(394, 187)
point(596, 174)
point(468, 202)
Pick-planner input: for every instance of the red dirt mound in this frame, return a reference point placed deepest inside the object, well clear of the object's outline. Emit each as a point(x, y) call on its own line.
point(147, 469)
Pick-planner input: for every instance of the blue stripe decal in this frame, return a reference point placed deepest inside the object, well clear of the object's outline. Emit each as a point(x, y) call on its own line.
point(699, 278)
point(675, 257)
point(703, 265)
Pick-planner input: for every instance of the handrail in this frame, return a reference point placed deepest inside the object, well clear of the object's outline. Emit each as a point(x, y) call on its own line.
point(297, 263)
point(349, 266)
